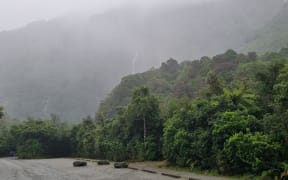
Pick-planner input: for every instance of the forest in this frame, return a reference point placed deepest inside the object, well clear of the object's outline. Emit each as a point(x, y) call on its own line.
point(226, 113)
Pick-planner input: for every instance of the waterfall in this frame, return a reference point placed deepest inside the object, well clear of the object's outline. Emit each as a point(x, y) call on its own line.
point(45, 108)
point(134, 60)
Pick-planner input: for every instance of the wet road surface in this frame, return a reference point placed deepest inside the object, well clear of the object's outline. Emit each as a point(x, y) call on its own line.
point(62, 169)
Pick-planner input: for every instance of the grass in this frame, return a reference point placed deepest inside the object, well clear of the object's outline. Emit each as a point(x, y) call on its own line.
point(194, 170)
point(212, 172)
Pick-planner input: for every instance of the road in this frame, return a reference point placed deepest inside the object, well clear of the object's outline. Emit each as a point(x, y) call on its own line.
point(62, 169)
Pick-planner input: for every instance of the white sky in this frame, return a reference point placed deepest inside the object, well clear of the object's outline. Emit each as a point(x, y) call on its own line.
point(17, 13)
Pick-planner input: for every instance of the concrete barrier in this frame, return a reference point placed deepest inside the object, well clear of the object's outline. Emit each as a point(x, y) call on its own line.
point(171, 175)
point(103, 162)
point(79, 163)
point(148, 171)
point(193, 179)
point(133, 168)
point(121, 165)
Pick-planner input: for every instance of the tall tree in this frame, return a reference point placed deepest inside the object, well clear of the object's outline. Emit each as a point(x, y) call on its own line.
point(215, 86)
point(143, 116)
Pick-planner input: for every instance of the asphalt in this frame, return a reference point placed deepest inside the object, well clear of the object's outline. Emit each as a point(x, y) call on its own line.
point(62, 169)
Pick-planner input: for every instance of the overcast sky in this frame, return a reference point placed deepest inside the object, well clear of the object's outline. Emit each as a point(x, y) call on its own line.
point(17, 13)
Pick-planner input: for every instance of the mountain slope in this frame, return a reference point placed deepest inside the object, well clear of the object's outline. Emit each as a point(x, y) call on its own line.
point(67, 67)
point(273, 36)
point(189, 79)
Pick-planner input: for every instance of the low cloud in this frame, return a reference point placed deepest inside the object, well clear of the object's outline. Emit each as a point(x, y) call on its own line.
point(16, 13)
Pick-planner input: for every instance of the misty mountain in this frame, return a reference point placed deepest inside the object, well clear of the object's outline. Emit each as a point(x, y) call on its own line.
point(68, 65)
point(272, 36)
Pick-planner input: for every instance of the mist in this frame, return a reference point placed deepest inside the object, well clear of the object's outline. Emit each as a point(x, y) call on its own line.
point(17, 13)
point(65, 57)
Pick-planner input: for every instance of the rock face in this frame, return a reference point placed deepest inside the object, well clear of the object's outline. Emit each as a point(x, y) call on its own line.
point(79, 163)
point(103, 162)
point(121, 165)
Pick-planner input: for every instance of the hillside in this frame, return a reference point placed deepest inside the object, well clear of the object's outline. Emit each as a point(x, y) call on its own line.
point(67, 67)
point(272, 36)
point(188, 79)
point(177, 80)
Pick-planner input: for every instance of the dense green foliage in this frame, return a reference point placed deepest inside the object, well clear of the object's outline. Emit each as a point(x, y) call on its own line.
point(227, 113)
point(135, 133)
point(36, 138)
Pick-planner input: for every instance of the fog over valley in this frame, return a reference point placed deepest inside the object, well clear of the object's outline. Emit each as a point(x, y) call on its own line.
point(66, 63)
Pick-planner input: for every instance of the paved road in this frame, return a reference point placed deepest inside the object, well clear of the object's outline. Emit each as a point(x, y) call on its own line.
point(61, 169)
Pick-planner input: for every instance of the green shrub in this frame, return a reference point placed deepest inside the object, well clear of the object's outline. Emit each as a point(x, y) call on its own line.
point(31, 149)
point(251, 152)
